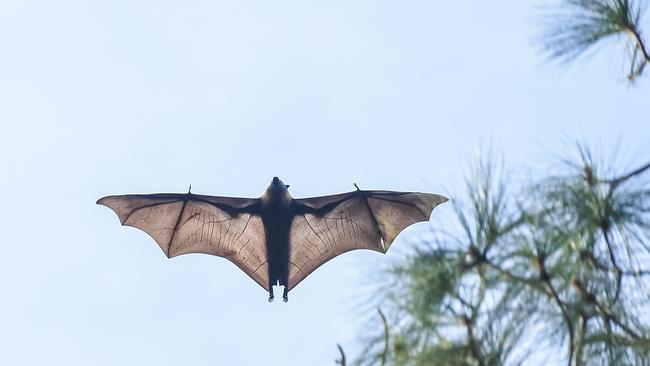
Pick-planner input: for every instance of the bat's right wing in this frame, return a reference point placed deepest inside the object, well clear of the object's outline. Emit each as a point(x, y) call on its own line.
point(189, 223)
point(324, 227)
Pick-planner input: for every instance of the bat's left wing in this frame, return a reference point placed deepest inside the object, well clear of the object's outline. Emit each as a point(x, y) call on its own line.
point(227, 227)
point(327, 226)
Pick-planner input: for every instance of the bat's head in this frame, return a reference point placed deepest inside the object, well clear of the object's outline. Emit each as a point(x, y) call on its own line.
point(278, 184)
point(277, 192)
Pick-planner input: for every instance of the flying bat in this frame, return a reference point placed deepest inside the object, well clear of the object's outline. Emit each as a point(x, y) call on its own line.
point(275, 239)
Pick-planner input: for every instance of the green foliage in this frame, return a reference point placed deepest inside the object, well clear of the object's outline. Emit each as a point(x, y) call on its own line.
point(578, 25)
point(555, 271)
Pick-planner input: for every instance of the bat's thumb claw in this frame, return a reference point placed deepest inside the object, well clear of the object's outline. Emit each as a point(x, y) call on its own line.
point(285, 299)
point(270, 298)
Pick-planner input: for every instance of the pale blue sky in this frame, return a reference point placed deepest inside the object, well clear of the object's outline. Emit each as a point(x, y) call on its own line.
point(114, 97)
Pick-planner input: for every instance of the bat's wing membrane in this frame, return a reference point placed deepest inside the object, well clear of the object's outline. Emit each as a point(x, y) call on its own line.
point(190, 223)
point(331, 225)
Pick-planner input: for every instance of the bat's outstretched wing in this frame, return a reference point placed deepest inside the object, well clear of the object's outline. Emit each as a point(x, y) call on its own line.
point(327, 226)
point(189, 223)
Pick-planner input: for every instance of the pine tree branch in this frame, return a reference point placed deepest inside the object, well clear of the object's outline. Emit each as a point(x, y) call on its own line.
point(599, 324)
point(588, 22)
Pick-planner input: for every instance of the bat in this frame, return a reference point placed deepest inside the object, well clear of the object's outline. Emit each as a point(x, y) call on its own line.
point(274, 239)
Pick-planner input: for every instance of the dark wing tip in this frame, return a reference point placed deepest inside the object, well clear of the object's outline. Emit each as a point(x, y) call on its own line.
point(438, 199)
point(104, 201)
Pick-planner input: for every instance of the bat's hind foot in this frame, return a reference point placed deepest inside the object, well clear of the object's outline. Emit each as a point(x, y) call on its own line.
point(285, 296)
point(271, 298)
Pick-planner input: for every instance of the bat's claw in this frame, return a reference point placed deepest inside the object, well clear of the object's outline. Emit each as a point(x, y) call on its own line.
point(271, 298)
point(285, 299)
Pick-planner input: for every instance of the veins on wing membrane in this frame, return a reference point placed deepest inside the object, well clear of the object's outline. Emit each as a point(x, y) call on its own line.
point(204, 229)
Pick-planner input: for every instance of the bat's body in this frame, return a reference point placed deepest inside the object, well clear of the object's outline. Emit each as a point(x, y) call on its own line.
point(277, 216)
point(275, 239)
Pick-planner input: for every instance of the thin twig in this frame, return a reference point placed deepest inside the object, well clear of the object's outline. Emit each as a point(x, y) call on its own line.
point(510, 275)
point(384, 354)
point(617, 270)
point(582, 325)
point(616, 181)
point(342, 360)
point(608, 316)
point(472, 342)
point(639, 42)
point(598, 265)
point(565, 314)
point(637, 70)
